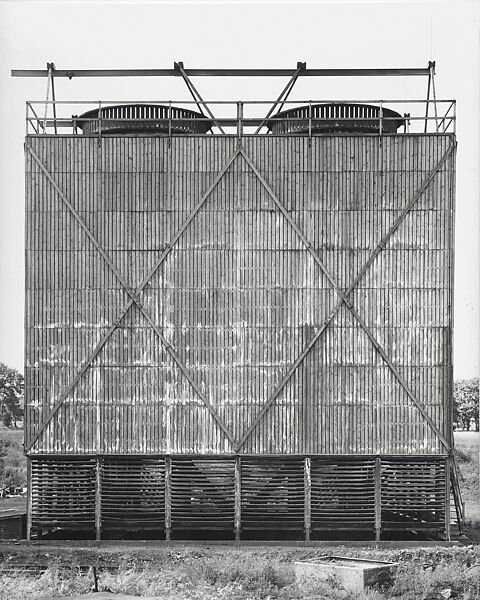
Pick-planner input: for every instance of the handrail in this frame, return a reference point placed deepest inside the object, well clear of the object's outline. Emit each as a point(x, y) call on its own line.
point(304, 120)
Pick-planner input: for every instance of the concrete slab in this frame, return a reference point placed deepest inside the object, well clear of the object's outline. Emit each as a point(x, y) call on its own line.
point(341, 572)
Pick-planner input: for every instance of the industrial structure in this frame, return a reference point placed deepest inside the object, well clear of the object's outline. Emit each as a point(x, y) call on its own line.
point(240, 324)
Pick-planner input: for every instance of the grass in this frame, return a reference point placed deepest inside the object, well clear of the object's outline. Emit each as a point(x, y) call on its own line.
point(247, 573)
point(8, 434)
point(467, 448)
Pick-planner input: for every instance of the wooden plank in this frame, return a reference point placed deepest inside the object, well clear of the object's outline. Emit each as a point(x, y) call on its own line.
point(29, 498)
point(308, 497)
point(238, 497)
point(378, 498)
point(447, 498)
point(168, 497)
point(98, 499)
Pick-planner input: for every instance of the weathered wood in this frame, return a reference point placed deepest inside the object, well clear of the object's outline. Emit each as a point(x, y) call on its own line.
point(98, 499)
point(308, 497)
point(238, 295)
point(448, 487)
point(168, 497)
point(238, 497)
point(29, 498)
point(378, 498)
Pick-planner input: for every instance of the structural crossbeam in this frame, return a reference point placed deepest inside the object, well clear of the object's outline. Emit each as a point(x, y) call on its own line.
point(70, 73)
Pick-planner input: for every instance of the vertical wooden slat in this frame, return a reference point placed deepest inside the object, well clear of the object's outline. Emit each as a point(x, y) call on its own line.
point(378, 498)
point(238, 497)
point(98, 499)
point(308, 497)
point(168, 497)
point(29, 498)
point(447, 467)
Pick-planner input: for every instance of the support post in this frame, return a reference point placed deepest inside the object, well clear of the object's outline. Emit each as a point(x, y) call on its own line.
point(447, 498)
point(168, 497)
point(435, 109)
point(238, 498)
point(29, 498)
point(381, 118)
point(49, 80)
point(52, 71)
point(98, 499)
point(428, 97)
point(308, 497)
point(239, 120)
point(378, 498)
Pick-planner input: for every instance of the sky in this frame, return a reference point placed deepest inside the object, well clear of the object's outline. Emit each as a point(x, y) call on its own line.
point(357, 34)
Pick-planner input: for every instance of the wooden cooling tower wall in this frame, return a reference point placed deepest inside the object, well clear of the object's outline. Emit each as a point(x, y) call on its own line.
point(193, 296)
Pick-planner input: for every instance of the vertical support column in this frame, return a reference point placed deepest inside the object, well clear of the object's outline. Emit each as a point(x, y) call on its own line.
point(447, 498)
point(239, 121)
point(308, 497)
point(378, 498)
point(29, 498)
point(168, 497)
point(98, 499)
point(238, 498)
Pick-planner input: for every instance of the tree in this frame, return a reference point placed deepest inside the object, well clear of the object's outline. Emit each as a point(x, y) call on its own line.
point(11, 395)
point(466, 398)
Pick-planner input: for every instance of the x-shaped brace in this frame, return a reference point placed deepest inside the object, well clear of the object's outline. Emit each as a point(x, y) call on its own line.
point(134, 299)
point(345, 299)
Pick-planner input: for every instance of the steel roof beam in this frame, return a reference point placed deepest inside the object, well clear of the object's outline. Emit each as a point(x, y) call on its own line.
point(222, 72)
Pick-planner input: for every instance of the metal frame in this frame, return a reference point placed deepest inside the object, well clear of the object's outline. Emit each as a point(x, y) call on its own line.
point(179, 71)
point(70, 73)
point(444, 115)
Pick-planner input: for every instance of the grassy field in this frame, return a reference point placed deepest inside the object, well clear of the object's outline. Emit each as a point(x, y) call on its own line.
point(247, 573)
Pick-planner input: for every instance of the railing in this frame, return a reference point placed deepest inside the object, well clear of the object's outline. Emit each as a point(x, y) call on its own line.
point(241, 117)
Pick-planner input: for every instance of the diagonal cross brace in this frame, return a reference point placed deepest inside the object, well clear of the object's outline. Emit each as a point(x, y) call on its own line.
point(284, 94)
point(344, 298)
point(133, 300)
point(196, 96)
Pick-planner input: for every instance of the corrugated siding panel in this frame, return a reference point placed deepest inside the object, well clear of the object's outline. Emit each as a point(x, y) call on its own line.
point(239, 296)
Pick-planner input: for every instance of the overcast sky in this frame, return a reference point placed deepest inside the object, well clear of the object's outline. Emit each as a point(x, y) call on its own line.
point(233, 34)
